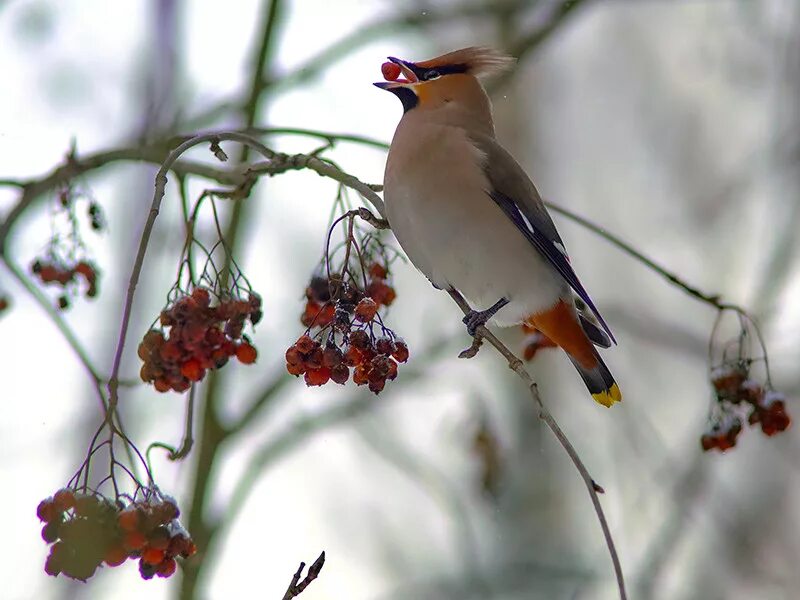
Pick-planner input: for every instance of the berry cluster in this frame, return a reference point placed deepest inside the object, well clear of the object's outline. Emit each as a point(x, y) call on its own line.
point(346, 320)
point(740, 399)
point(67, 275)
point(374, 361)
point(86, 530)
point(202, 335)
point(534, 341)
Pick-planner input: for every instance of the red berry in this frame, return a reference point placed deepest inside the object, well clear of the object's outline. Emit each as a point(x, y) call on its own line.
point(366, 310)
point(390, 71)
point(192, 370)
point(152, 556)
point(128, 519)
point(134, 540)
point(246, 353)
point(295, 369)
point(319, 376)
point(376, 270)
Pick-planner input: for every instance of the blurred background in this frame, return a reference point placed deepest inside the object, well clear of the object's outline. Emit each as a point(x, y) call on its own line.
point(672, 124)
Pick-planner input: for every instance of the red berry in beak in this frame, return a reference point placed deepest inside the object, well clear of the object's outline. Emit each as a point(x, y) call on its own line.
point(390, 71)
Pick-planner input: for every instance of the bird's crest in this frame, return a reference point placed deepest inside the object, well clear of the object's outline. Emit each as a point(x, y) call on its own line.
point(476, 60)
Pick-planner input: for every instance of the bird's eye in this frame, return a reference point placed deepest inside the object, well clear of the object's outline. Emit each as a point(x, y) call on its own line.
point(432, 74)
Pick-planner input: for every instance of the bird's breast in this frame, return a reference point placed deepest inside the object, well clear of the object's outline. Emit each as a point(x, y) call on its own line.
point(438, 206)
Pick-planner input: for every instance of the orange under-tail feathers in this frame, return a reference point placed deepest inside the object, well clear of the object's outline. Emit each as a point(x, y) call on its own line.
point(562, 326)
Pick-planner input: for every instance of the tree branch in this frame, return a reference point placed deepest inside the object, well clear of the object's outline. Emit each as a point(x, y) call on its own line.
point(516, 365)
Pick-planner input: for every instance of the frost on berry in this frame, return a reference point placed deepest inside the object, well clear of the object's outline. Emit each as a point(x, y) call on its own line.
point(742, 390)
point(87, 530)
point(65, 262)
point(345, 301)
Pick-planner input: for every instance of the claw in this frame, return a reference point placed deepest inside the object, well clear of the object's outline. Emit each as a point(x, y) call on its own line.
point(476, 318)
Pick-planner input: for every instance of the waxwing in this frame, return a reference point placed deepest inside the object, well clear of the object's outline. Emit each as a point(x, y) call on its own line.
point(470, 219)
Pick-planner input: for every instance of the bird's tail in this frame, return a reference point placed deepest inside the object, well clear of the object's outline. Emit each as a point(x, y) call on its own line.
point(562, 325)
point(599, 380)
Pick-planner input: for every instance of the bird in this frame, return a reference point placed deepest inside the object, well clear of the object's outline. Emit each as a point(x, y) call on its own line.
point(470, 219)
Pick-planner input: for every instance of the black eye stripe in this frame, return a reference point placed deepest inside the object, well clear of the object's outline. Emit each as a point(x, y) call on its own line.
point(424, 74)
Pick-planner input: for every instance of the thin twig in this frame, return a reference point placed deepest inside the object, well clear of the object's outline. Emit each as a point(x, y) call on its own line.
point(296, 587)
point(516, 365)
point(158, 195)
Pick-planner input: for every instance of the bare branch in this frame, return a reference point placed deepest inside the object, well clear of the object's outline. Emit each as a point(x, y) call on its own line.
point(711, 299)
point(516, 365)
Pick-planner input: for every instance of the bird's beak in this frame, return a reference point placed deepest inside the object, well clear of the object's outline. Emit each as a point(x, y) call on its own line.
point(406, 68)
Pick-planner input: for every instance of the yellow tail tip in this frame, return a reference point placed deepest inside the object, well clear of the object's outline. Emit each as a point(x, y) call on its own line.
point(609, 397)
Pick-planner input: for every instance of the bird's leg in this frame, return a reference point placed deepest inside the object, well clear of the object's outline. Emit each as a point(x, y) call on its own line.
point(476, 318)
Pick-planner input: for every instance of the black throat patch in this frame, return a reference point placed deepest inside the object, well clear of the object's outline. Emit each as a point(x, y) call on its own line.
point(407, 97)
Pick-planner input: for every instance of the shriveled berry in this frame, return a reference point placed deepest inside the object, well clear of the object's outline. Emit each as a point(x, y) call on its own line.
point(314, 359)
point(340, 374)
point(353, 357)
point(376, 385)
point(359, 339)
point(360, 374)
point(384, 346)
point(305, 344)
point(331, 357)
point(293, 356)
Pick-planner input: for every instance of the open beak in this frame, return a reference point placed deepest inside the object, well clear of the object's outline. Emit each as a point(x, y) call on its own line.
point(406, 68)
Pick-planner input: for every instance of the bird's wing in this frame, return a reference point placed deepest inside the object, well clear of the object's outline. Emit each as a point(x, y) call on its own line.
point(516, 195)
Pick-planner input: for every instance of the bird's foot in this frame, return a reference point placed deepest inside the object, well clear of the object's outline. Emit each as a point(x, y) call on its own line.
point(476, 318)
